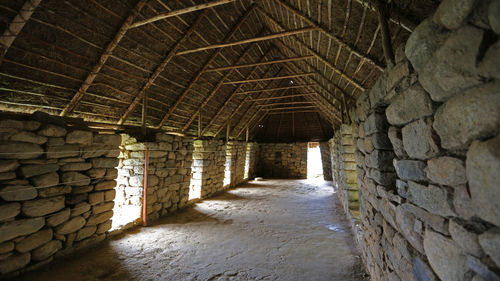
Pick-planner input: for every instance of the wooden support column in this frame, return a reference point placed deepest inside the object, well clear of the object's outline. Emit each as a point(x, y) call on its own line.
point(199, 125)
point(180, 12)
point(144, 113)
point(246, 137)
point(250, 40)
point(162, 66)
point(103, 59)
point(228, 130)
point(386, 34)
point(205, 66)
point(16, 25)
point(259, 63)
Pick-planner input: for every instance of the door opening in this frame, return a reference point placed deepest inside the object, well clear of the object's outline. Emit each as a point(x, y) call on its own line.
point(314, 164)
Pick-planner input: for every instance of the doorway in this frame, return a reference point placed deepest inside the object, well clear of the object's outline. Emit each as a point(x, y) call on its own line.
point(314, 164)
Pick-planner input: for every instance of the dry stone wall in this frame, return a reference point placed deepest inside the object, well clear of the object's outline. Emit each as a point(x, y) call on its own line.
point(250, 160)
point(326, 160)
point(56, 190)
point(208, 166)
point(282, 160)
point(235, 162)
point(169, 173)
point(428, 152)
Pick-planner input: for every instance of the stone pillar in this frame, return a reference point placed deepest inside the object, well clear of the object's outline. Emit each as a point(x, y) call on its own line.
point(250, 160)
point(208, 166)
point(326, 160)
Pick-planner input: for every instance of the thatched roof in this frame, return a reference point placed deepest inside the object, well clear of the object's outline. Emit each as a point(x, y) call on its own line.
point(96, 59)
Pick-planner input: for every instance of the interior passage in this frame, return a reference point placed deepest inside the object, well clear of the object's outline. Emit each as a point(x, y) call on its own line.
point(267, 230)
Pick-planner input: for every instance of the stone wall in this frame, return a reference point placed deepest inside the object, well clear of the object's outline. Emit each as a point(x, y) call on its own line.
point(282, 160)
point(208, 166)
point(250, 160)
point(325, 160)
point(56, 190)
point(428, 152)
point(169, 173)
point(235, 162)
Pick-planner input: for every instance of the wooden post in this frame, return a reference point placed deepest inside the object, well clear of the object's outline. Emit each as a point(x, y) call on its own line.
point(145, 189)
point(144, 113)
point(199, 125)
point(228, 130)
point(246, 137)
point(386, 34)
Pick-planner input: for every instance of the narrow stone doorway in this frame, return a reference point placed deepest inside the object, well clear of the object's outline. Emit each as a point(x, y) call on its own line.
point(314, 164)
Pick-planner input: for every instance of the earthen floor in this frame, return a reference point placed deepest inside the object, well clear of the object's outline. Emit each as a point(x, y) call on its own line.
point(269, 230)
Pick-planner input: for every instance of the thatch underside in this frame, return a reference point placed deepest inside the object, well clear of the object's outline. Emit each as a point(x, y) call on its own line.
point(69, 59)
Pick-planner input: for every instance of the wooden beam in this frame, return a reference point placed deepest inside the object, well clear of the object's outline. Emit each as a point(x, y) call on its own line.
point(286, 103)
point(386, 34)
point(329, 33)
point(282, 97)
point(275, 89)
point(214, 90)
point(161, 67)
point(250, 40)
point(233, 31)
point(259, 63)
point(180, 12)
point(397, 17)
point(16, 25)
point(103, 59)
point(144, 113)
point(199, 125)
point(270, 78)
point(233, 94)
point(293, 112)
point(250, 121)
point(313, 52)
point(289, 107)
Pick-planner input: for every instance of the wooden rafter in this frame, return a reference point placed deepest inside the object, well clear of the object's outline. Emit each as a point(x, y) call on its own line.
point(293, 112)
point(397, 17)
point(180, 12)
point(233, 94)
point(161, 67)
point(274, 89)
point(16, 25)
point(386, 35)
point(249, 40)
point(193, 81)
point(329, 33)
point(289, 108)
point(282, 97)
point(103, 59)
point(260, 63)
point(285, 103)
point(270, 78)
point(313, 52)
point(215, 90)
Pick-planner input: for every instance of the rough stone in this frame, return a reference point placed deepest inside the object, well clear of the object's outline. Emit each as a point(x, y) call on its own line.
point(35, 170)
point(54, 191)
point(445, 257)
point(419, 140)
point(381, 160)
point(410, 170)
point(50, 130)
point(481, 269)
point(34, 240)
point(482, 166)
point(8, 165)
point(104, 162)
point(422, 271)
point(493, 12)
point(99, 218)
point(6, 247)
point(446, 171)
point(14, 263)
point(375, 123)
point(101, 208)
point(80, 208)
point(78, 166)
point(467, 240)
point(9, 211)
point(71, 226)
point(75, 178)
point(405, 220)
point(490, 242)
point(96, 173)
point(55, 142)
point(105, 185)
point(58, 218)
point(46, 250)
point(436, 222)
point(79, 137)
point(395, 137)
point(114, 140)
point(472, 115)
point(410, 105)
point(20, 124)
point(63, 151)
point(18, 228)
point(24, 136)
point(96, 198)
point(85, 232)
point(42, 207)
point(103, 227)
point(45, 180)
point(398, 72)
point(452, 13)
point(19, 150)
point(18, 193)
point(432, 198)
point(453, 67)
point(462, 202)
point(489, 67)
point(383, 178)
point(423, 42)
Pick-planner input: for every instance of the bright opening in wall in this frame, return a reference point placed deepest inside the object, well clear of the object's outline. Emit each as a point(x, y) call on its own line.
point(247, 161)
point(314, 164)
point(196, 176)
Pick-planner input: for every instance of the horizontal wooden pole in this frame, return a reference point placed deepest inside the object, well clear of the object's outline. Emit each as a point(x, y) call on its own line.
point(250, 40)
point(294, 111)
point(259, 63)
point(282, 97)
point(270, 78)
point(286, 103)
point(180, 12)
point(276, 89)
point(289, 107)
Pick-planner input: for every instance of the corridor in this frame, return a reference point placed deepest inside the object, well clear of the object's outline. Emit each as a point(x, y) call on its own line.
point(267, 230)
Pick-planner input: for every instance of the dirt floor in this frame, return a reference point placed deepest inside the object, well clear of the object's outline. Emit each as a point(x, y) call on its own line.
point(268, 230)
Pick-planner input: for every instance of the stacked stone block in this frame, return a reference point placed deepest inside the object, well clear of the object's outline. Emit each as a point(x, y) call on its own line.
point(428, 152)
point(326, 160)
point(250, 160)
point(169, 173)
point(208, 166)
point(283, 160)
point(56, 190)
point(235, 162)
